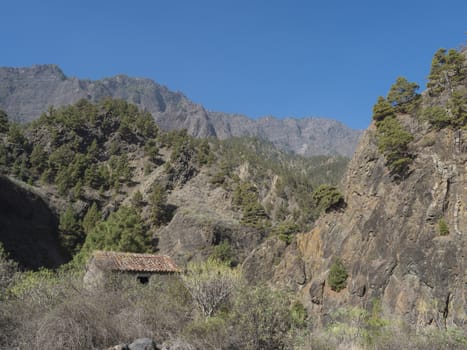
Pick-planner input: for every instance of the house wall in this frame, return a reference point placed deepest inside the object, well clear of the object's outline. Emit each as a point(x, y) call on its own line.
point(96, 277)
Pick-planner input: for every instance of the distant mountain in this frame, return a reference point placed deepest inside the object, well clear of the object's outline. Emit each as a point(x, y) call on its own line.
point(25, 93)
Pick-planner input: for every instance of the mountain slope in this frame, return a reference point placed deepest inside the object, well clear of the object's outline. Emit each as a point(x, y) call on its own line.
point(25, 93)
point(91, 160)
point(401, 240)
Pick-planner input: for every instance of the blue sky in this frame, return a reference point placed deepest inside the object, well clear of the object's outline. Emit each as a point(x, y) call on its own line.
point(294, 58)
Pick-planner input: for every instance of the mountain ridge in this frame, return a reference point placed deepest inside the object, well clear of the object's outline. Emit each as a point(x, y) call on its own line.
point(47, 85)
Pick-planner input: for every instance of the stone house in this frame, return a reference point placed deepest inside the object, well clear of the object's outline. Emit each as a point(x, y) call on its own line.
point(141, 266)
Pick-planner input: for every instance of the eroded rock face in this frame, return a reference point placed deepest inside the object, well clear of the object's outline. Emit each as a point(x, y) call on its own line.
point(193, 235)
point(29, 227)
point(388, 237)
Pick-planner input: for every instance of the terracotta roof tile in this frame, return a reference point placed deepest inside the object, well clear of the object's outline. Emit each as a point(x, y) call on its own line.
point(134, 262)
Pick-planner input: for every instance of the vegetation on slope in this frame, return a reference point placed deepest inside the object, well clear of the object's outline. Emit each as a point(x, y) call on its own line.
point(267, 183)
point(92, 156)
point(444, 105)
point(211, 307)
point(392, 138)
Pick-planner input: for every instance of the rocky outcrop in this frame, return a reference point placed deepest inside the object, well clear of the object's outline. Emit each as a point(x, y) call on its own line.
point(204, 219)
point(25, 93)
point(29, 227)
point(149, 344)
point(388, 237)
point(305, 136)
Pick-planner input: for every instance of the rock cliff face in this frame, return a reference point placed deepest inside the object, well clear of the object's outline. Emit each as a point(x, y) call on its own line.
point(388, 237)
point(29, 227)
point(25, 93)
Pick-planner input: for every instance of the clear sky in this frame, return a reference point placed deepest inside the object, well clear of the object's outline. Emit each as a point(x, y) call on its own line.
point(284, 58)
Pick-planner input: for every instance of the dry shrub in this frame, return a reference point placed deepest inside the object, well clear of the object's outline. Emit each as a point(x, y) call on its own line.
point(54, 311)
point(210, 333)
point(158, 310)
point(77, 324)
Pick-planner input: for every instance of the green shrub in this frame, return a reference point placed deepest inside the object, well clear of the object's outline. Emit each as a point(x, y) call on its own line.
point(223, 252)
point(298, 314)
point(437, 116)
point(285, 231)
point(337, 278)
point(443, 228)
point(328, 198)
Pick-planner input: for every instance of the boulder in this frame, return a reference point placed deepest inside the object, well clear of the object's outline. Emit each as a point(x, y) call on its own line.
point(143, 344)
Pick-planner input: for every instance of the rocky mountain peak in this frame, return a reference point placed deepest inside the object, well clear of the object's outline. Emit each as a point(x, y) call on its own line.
point(25, 93)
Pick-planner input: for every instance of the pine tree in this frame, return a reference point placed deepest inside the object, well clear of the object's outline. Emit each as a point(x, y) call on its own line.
point(71, 233)
point(92, 217)
point(38, 159)
point(382, 109)
point(403, 94)
point(448, 69)
point(123, 231)
point(158, 204)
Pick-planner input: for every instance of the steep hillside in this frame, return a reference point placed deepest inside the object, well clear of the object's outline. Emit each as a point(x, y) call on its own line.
point(25, 93)
point(28, 227)
point(107, 165)
point(401, 241)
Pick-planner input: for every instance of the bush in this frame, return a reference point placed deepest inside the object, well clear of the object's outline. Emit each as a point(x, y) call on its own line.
point(262, 318)
point(211, 285)
point(436, 116)
point(328, 198)
point(285, 231)
point(223, 252)
point(211, 333)
point(52, 310)
point(298, 314)
point(443, 228)
point(337, 278)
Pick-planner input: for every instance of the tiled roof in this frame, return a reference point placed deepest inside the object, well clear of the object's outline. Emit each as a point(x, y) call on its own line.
point(134, 262)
